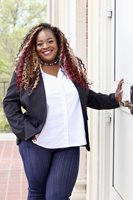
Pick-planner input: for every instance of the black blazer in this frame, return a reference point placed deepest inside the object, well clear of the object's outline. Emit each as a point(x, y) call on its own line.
point(27, 113)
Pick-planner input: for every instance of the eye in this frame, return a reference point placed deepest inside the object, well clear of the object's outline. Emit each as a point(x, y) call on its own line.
point(39, 44)
point(50, 41)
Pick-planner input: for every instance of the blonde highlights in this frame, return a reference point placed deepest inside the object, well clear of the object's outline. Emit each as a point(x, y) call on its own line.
point(28, 62)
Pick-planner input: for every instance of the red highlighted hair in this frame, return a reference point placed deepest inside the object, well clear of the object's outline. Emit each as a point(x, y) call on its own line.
point(28, 63)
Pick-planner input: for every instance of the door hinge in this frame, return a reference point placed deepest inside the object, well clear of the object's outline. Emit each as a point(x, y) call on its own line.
point(108, 117)
point(109, 13)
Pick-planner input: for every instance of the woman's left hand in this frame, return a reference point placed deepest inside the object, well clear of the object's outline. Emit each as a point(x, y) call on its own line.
point(119, 91)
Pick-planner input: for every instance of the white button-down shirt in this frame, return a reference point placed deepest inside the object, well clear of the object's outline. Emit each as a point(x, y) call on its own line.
point(64, 125)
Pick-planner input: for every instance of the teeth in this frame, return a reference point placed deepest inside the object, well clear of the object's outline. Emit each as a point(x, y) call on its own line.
point(47, 52)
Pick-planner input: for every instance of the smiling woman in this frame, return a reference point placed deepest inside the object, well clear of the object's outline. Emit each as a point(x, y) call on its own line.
point(50, 83)
point(47, 47)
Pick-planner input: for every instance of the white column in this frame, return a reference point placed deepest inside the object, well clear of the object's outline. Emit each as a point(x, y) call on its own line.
point(63, 15)
point(93, 75)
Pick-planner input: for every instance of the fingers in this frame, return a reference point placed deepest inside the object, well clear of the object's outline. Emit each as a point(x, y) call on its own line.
point(120, 84)
point(118, 96)
point(119, 91)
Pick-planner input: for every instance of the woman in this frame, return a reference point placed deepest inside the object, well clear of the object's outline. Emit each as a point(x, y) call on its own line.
point(50, 85)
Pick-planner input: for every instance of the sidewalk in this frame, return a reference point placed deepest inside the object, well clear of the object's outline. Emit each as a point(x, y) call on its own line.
point(13, 184)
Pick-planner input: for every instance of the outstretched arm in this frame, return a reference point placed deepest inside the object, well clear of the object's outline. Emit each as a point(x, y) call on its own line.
point(104, 101)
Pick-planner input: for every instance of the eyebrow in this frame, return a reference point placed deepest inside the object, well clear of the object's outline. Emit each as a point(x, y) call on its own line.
point(50, 38)
point(46, 39)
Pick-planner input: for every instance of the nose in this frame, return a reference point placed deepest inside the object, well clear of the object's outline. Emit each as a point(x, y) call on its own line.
point(45, 45)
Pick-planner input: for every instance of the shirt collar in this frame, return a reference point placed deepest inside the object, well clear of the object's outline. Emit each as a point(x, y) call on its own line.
point(59, 75)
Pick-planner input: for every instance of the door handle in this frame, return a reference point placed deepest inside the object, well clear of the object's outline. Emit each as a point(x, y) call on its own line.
point(126, 104)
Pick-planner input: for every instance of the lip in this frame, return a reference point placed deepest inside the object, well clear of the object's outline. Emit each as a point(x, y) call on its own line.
point(48, 52)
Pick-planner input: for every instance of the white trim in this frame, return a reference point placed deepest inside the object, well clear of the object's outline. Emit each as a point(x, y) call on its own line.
point(106, 75)
point(7, 137)
point(104, 128)
point(112, 195)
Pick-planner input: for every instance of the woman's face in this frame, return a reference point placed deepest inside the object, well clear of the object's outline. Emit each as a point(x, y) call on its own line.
point(46, 46)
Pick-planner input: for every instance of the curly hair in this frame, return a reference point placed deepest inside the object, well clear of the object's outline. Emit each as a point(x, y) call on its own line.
point(28, 65)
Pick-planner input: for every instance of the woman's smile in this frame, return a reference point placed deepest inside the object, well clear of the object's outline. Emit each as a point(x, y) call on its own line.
point(47, 52)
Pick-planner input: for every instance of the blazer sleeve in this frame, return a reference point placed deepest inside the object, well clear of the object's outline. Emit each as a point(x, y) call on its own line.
point(12, 109)
point(101, 101)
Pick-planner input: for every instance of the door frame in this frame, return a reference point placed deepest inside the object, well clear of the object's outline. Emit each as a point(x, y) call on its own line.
point(107, 47)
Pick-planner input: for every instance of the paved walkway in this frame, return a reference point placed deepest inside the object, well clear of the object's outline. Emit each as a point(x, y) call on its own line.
point(13, 184)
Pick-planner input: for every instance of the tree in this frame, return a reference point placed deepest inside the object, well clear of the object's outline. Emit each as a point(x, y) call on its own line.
point(16, 17)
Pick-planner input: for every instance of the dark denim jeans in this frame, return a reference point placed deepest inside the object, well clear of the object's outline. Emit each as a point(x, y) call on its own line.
point(51, 173)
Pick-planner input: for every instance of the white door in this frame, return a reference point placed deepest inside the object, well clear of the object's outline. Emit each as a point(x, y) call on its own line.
point(122, 146)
